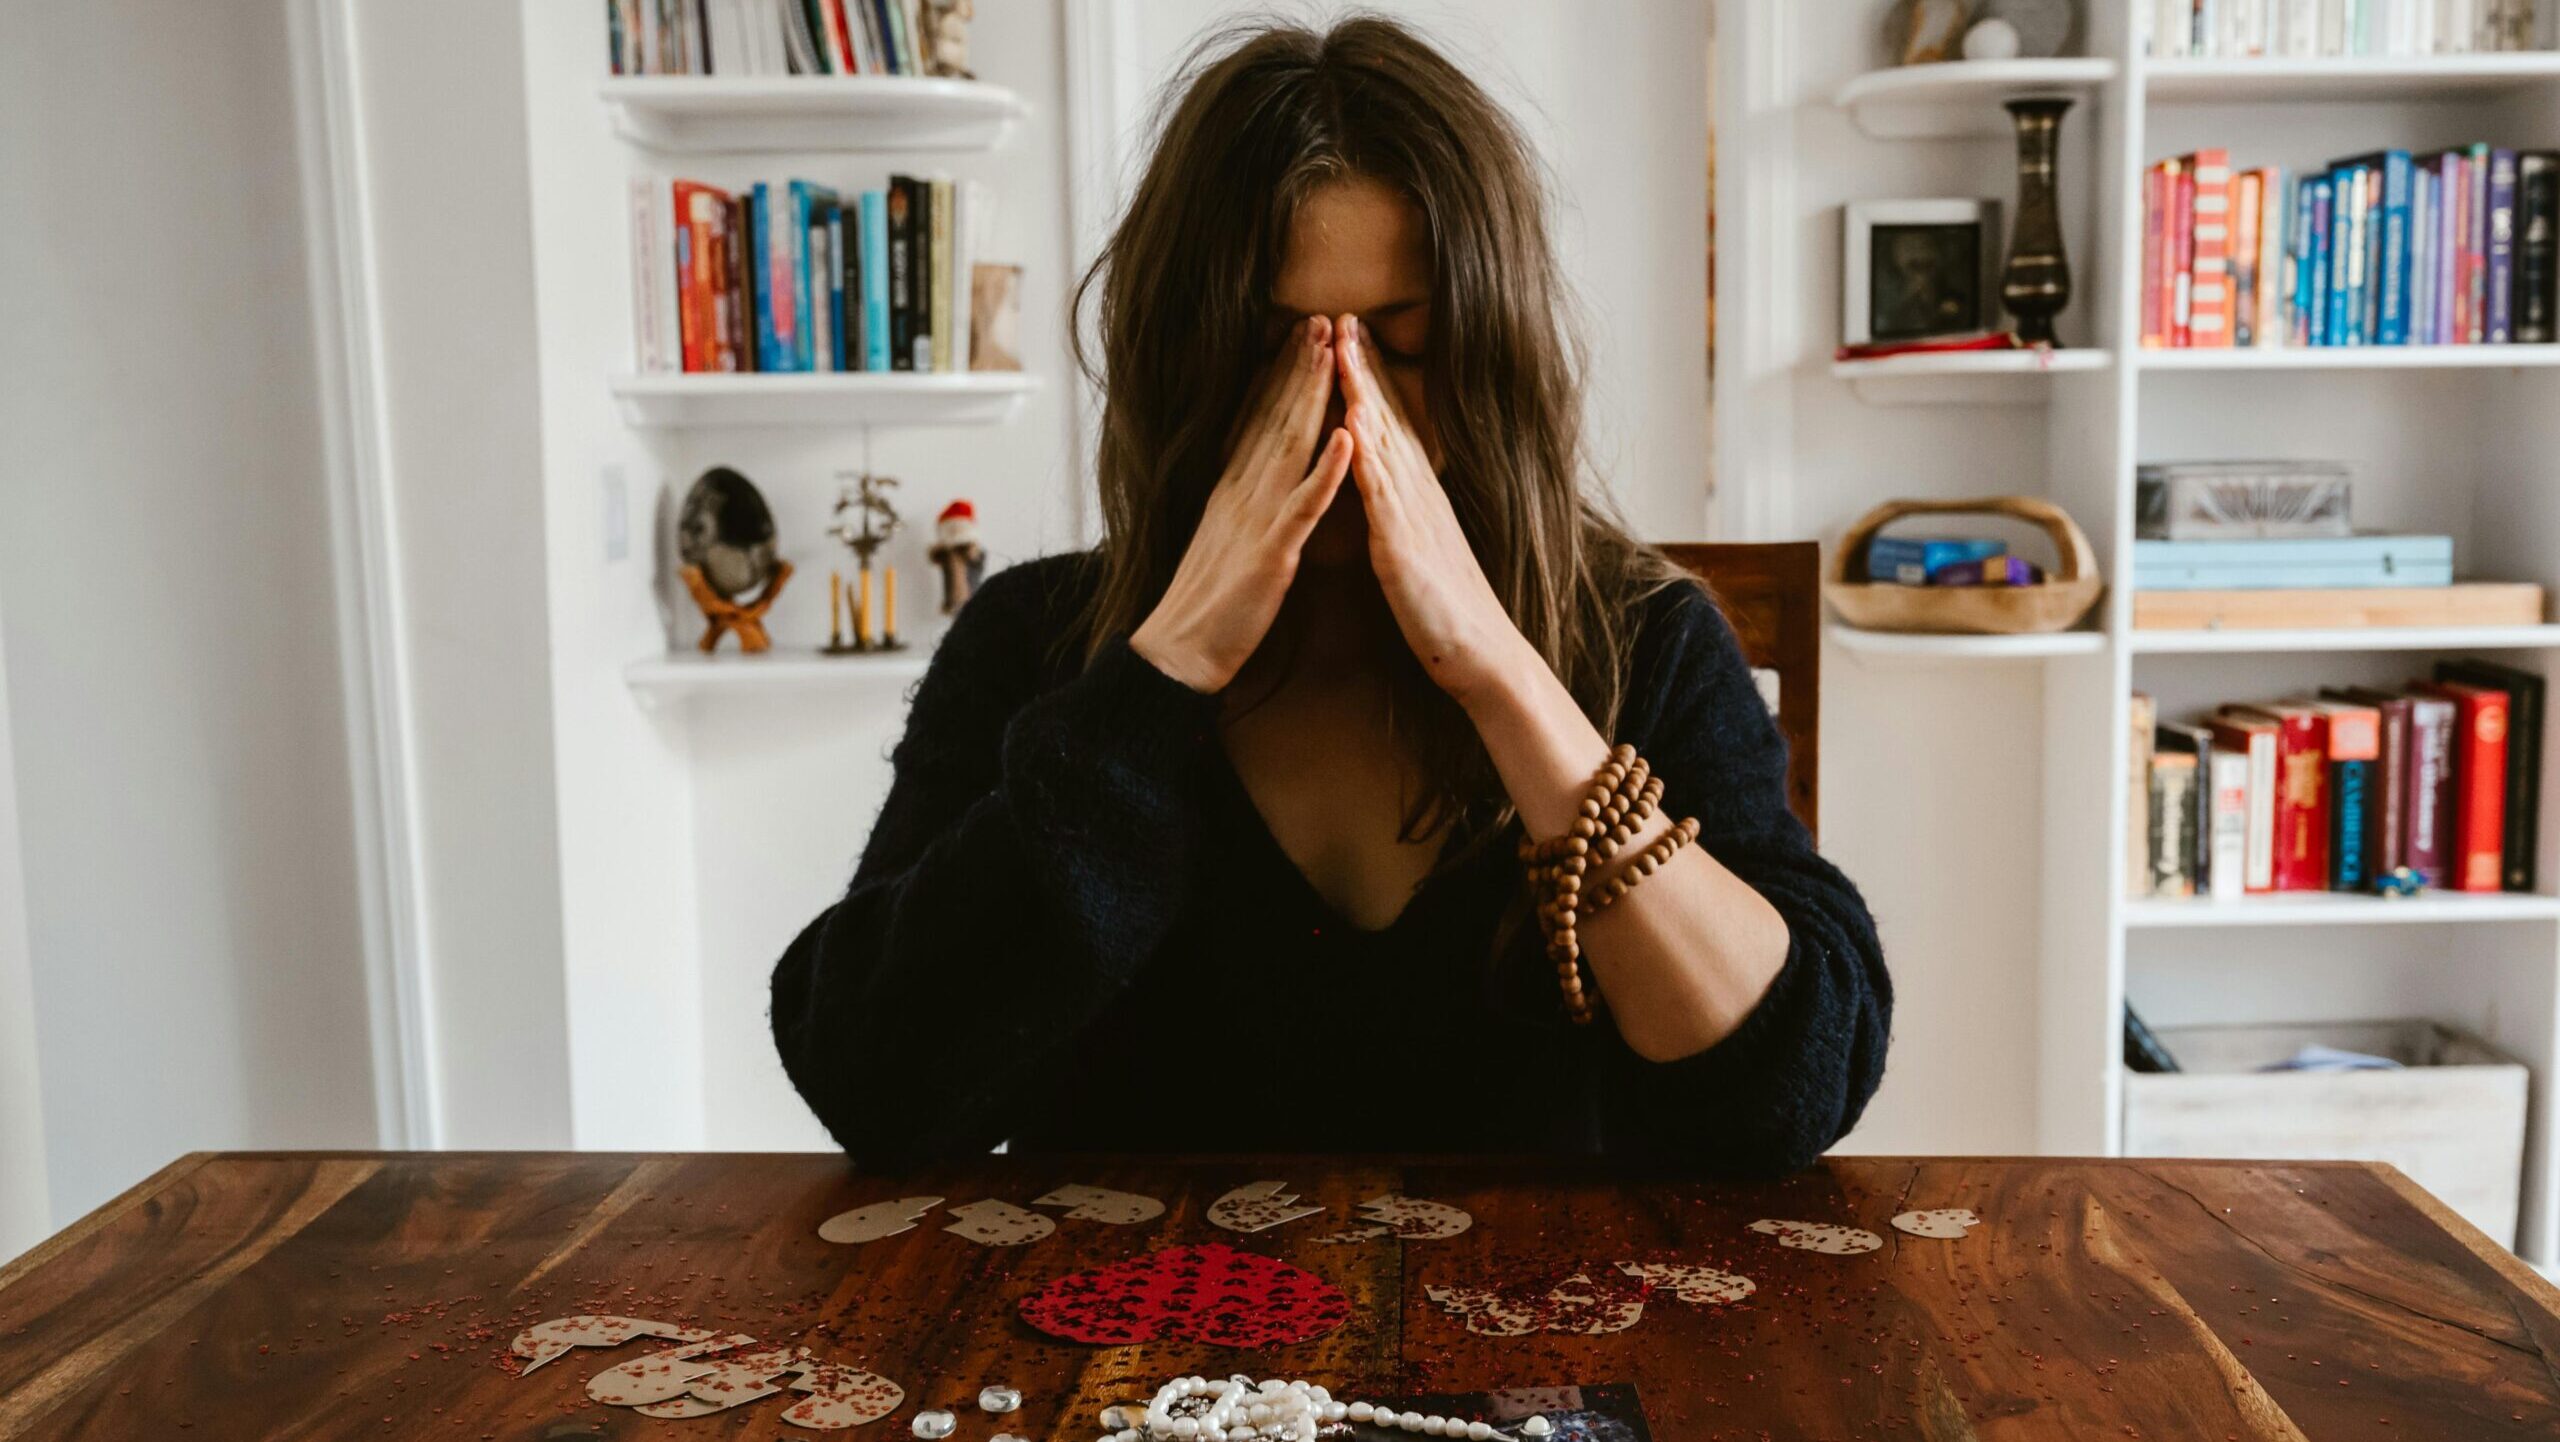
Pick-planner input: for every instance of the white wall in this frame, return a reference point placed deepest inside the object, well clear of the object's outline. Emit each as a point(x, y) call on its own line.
point(25, 1211)
point(448, 216)
point(165, 578)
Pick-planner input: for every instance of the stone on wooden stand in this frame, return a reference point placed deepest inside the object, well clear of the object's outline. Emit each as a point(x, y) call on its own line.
point(725, 616)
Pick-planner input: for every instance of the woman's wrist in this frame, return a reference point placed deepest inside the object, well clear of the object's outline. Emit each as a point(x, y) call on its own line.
point(1545, 749)
point(1182, 663)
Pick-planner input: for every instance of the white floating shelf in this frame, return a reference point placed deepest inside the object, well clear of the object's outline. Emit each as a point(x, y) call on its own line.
point(2349, 79)
point(690, 673)
point(1924, 645)
point(2349, 638)
point(809, 114)
point(2353, 358)
point(1989, 378)
point(1959, 97)
point(862, 398)
point(2343, 908)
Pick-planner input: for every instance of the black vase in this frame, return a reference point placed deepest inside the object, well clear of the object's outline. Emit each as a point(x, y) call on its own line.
point(2036, 285)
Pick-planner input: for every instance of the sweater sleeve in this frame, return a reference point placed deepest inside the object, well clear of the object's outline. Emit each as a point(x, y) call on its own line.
point(1033, 851)
point(1794, 1076)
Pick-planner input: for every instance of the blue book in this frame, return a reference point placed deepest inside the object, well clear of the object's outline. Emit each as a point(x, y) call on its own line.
point(2502, 246)
point(768, 337)
point(2350, 798)
point(875, 280)
point(806, 200)
point(841, 346)
point(2312, 284)
point(2299, 209)
point(2343, 562)
point(2387, 248)
point(2343, 237)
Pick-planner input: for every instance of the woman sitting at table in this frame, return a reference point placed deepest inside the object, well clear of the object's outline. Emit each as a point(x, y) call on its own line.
point(1368, 755)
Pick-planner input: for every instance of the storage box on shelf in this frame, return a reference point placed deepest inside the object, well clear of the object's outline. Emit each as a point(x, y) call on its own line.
point(2452, 1115)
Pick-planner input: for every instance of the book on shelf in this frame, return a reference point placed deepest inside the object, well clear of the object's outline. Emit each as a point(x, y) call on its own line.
point(793, 276)
point(2525, 718)
point(2457, 246)
point(2317, 29)
point(2356, 789)
point(767, 37)
point(2475, 857)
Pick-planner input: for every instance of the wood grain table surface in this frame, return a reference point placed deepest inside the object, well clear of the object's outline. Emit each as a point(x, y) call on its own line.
point(362, 1295)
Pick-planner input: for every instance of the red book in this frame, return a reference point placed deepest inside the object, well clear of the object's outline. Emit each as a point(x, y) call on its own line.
point(2476, 859)
point(2155, 235)
point(702, 274)
point(2301, 861)
point(2249, 734)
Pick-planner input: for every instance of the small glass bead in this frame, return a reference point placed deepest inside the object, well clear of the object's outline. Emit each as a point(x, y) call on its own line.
point(935, 1424)
point(998, 1399)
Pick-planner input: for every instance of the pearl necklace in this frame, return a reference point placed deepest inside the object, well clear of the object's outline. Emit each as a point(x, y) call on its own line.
point(1242, 1410)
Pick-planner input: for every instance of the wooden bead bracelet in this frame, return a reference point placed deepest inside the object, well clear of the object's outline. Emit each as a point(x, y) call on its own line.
point(1621, 800)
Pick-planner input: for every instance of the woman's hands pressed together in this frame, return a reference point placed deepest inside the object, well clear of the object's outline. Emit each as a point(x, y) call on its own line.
point(1433, 582)
point(1229, 586)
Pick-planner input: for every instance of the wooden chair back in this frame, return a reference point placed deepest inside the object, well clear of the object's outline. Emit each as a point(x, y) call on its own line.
point(1772, 596)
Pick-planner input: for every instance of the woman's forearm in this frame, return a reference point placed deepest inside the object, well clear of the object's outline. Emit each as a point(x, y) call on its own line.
point(1681, 959)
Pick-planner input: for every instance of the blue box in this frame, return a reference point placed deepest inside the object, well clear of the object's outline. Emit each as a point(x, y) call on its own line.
point(1916, 560)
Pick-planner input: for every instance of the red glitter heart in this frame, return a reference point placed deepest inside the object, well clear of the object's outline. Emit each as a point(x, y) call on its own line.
point(1211, 1293)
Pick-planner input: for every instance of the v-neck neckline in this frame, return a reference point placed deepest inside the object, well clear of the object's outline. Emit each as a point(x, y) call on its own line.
point(1240, 796)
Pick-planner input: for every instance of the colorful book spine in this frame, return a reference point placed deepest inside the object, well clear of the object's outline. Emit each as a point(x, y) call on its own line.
point(844, 283)
point(2431, 721)
point(875, 280)
point(2182, 255)
point(773, 290)
point(2172, 824)
point(2526, 694)
point(2212, 302)
point(2537, 247)
point(2355, 754)
point(2475, 251)
point(2155, 236)
point(2301, 819)
point(2144, 721)
point(939, 269)
point(2248, 208)
point(2501, 279)
point(2478, 861)
point(2315, 282)
point(2227, 868)
point(808, 272)
point(2253, 737)
point(902, 314)
point(742, 289)
point(822, 290)
point(656, 343)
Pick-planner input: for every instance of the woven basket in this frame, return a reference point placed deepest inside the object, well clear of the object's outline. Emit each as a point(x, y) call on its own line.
point(2067, 594)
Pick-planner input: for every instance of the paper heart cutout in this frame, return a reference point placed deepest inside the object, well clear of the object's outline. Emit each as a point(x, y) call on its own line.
point(1209, 1293)
point(1584, 1304)
point(1409, 1219)
point(1700, 1286)
point(1944, 1223)
point(1820, 1237)
point(544, 1341)
point(1258, 1207)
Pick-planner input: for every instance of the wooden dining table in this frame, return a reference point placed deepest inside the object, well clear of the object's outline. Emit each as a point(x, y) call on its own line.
point(364, 1295)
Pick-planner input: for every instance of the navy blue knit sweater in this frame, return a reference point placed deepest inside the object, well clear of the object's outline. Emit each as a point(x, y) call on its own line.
point(1072, 931)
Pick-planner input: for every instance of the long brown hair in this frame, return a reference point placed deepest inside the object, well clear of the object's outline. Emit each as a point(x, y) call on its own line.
point(1262, 116)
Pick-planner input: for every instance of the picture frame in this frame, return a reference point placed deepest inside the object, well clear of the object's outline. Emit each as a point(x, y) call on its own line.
point(1916, 270)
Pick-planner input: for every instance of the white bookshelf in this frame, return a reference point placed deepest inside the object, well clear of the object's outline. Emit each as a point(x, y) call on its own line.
point(737, 127)
point(1889, 645)
point(1960, 97)
point(809, 114)
point(2007, 377)
point(685, 675)
point(680, 400)
point(2454, 439)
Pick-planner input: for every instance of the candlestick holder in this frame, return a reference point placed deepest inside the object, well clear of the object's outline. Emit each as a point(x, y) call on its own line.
point(864, 523)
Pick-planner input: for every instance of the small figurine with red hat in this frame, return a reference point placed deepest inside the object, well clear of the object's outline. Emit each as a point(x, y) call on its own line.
point(957, 552)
